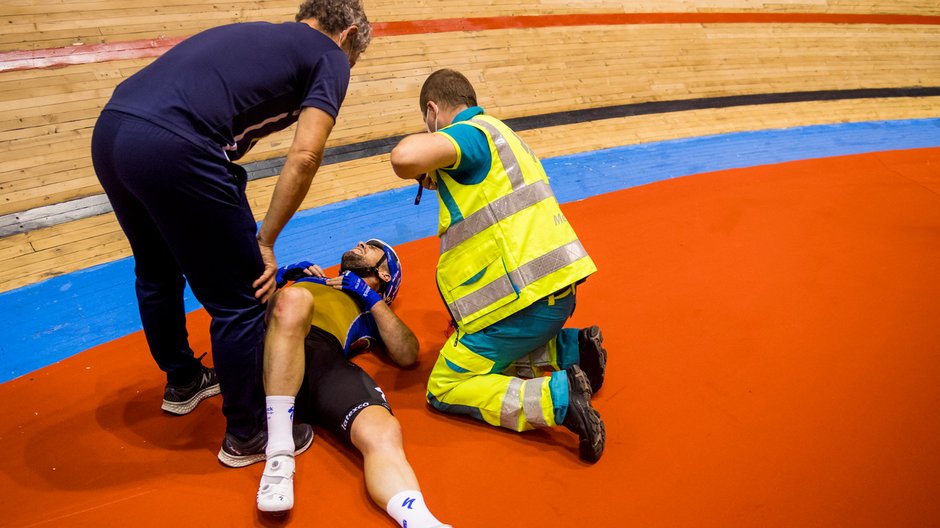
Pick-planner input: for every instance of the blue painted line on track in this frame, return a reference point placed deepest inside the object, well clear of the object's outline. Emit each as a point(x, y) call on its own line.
point(57, 318)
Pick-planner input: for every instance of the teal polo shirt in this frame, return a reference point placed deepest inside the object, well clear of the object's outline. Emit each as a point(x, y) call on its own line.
point(473, 155)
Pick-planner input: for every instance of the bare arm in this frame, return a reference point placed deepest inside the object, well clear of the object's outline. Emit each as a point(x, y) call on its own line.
point(418, 154)
point(303, 161)
point(400, 342)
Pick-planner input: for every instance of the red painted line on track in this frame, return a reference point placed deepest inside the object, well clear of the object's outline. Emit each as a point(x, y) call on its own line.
point(386, 29)
point(84, 54)
point(134, 49)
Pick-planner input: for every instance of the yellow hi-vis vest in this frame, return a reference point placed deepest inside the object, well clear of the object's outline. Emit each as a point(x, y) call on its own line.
point(504, 241)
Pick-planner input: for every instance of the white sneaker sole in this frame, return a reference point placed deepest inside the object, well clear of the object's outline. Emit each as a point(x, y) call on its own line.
point(242, 461)
point(186, 407)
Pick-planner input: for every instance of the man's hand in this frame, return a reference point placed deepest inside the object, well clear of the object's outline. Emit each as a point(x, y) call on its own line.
point(428, 181)
point(292, 272)
point(352, 283)
point(266, 284)
point(313, 270)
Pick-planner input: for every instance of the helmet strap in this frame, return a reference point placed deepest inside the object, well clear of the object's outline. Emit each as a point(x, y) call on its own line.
point(372, 270)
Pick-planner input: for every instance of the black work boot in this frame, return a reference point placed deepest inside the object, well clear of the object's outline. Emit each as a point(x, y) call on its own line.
point(582, 418)
point(593, 356)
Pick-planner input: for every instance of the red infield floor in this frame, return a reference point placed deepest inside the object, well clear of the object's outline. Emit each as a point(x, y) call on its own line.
point(774, 342)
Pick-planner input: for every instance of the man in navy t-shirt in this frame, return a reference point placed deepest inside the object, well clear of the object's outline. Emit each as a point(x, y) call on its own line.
point(164, 150)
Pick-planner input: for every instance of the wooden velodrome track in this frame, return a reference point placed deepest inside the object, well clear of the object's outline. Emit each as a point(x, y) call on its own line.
point(772, 321)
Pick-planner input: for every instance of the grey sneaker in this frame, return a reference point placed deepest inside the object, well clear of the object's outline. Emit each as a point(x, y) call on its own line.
point(241, 453)
point(593, 356)
point(581, 418)
point(183, 399)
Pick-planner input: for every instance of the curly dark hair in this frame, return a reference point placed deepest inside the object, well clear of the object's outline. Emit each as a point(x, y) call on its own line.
point(334, 16)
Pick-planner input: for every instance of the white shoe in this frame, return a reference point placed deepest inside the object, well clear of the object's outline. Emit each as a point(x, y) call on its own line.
point(276, 491)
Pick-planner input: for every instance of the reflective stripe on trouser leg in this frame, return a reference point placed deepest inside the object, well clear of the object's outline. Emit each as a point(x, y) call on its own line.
point(461, 382)
point(540, 362)
point(559, 353)
point(524, 405)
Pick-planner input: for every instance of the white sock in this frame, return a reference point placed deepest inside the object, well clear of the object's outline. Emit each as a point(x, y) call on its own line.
point(280, 411)
point(408, 509)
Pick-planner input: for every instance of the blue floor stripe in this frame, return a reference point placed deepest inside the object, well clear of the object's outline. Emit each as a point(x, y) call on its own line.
point(49, 321)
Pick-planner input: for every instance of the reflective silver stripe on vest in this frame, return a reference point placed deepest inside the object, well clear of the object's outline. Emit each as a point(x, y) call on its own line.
point(482, 298)
point(548, 263)
point(522, 276)
point(509, 412)
point(492, 213)
point(532, 402)
point(505, 153)
point(530, 405)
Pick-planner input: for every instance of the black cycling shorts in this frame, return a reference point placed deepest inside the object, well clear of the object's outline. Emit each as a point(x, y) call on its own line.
point(334, 390)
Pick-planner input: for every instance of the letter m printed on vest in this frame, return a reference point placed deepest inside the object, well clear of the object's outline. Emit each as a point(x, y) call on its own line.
point(560, 219)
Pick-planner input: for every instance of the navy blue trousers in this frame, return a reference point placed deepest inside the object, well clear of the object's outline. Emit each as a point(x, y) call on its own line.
point(183, 208)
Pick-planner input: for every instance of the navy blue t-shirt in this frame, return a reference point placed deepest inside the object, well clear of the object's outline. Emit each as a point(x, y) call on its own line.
point(234, 84)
